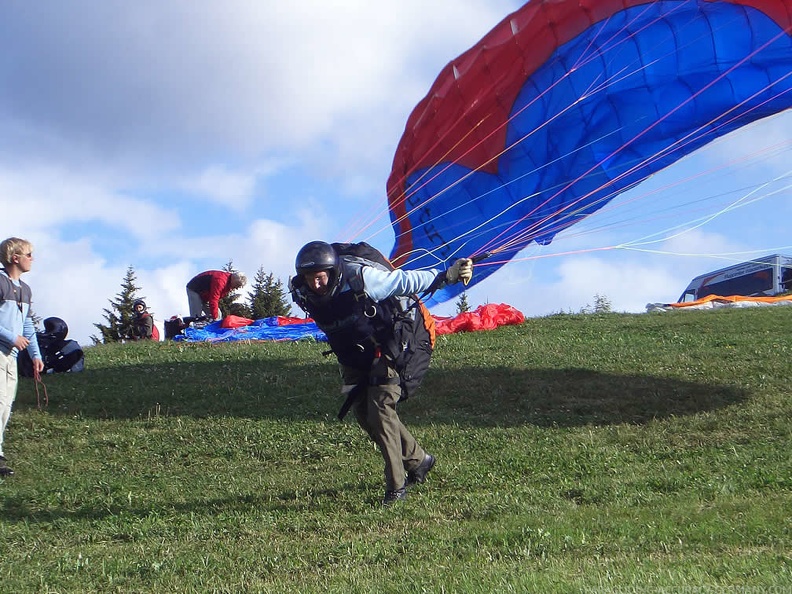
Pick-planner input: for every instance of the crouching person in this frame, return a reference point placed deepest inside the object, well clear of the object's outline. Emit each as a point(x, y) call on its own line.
point(367, 309)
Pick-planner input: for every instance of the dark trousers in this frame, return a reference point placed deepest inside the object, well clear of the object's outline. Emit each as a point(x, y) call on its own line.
point(376, 414)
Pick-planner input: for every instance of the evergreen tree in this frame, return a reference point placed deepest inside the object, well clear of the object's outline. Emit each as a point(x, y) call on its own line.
point(267, 296)
point(228, 304)
point(601, 305)
point(462, 303)
point(119, 315)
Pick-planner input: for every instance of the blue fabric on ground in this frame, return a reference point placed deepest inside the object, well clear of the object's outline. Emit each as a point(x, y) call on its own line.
point(264, 329)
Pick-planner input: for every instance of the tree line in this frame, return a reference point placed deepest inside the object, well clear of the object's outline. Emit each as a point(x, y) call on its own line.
point(266, 298)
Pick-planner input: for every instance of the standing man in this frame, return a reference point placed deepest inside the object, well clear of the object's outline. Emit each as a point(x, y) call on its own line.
point(356, 323)
point(17, 330)
point(205, 291)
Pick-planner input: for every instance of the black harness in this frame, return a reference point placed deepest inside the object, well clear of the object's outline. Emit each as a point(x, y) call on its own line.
point(356, 326)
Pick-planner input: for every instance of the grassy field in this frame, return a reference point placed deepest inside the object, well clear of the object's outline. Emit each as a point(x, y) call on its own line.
point(576, 453)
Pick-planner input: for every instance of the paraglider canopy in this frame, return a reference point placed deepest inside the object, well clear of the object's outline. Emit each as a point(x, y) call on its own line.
point(564, 105)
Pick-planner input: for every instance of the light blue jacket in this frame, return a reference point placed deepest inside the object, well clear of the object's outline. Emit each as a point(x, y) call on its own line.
point(16, 316)
point(381, 284)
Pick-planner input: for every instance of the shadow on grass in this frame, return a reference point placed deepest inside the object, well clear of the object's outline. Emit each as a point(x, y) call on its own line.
point(482, 397)
point(16, 509)
point(571, 397)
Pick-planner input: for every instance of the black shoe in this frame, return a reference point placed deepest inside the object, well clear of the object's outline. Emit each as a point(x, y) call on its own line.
point(4, 469)
point(418, 476)
point(395, 495)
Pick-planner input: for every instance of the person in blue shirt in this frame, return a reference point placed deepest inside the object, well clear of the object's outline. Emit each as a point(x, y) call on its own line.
point(17, 330)
point(349, 318)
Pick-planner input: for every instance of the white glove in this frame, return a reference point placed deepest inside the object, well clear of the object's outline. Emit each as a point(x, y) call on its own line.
point(462, 270)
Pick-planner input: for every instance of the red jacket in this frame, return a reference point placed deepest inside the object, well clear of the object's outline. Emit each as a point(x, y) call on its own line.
point(212, 286)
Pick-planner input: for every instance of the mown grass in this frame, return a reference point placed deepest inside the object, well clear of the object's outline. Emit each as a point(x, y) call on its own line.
point(576, 453)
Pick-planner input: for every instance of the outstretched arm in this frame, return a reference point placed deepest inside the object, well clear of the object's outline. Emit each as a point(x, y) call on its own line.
point(380, 284)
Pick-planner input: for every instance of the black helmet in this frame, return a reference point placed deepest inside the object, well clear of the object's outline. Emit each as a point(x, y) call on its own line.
point(138, 302)
point(56, 327)
point(316, 256)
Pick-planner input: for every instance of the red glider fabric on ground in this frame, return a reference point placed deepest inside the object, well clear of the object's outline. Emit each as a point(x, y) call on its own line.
point(484, 317)
point(239, 321)
point(289, 320)
point(235, 322)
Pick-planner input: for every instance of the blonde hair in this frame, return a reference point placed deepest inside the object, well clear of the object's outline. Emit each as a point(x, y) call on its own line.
point(11, 247)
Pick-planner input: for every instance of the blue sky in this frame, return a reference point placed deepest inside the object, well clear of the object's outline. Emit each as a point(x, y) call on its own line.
point(176, 136)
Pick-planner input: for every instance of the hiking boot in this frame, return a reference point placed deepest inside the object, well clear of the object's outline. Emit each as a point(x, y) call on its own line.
point(392, 496)
point(418, 476)
point(4, 469)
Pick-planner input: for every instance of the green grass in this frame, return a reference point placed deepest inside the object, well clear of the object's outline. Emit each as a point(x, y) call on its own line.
point(598, 453)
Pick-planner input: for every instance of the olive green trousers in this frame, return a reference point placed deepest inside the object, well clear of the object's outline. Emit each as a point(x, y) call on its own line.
point(376, 414)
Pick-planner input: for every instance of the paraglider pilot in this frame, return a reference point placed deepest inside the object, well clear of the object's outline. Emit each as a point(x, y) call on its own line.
point(142, 322)
point(355, 333)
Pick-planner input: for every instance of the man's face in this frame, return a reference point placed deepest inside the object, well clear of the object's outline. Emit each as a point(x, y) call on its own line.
point(24, 260)
point(317, 281)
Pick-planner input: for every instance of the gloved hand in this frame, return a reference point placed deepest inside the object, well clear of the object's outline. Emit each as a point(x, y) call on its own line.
point(462, 270)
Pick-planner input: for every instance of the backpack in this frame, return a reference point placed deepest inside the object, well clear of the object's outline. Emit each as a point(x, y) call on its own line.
point(174, 327)
point(413, 328)
point(58, 354)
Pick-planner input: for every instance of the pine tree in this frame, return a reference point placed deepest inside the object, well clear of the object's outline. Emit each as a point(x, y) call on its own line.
point(119, 315)
point(228, 304)
point(267, 296)
point(601, 305)
point(462, 304)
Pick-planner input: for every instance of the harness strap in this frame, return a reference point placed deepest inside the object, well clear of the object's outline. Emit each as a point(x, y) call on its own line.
point(357, 392)
point(37, 380)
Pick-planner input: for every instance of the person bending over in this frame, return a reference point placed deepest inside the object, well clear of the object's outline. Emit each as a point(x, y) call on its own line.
point(358, 335)
point(205, 290)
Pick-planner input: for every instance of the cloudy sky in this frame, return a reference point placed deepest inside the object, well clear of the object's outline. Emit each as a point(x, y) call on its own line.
point(174, 136)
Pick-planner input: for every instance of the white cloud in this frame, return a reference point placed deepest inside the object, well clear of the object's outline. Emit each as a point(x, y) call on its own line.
point(42, 197)
point(218, 184)
point(151, 82)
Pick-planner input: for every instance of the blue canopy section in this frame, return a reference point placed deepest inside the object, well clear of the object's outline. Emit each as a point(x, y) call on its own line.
point(264, 329)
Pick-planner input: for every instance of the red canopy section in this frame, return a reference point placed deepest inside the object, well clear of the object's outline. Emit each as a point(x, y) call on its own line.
point(484, 317)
